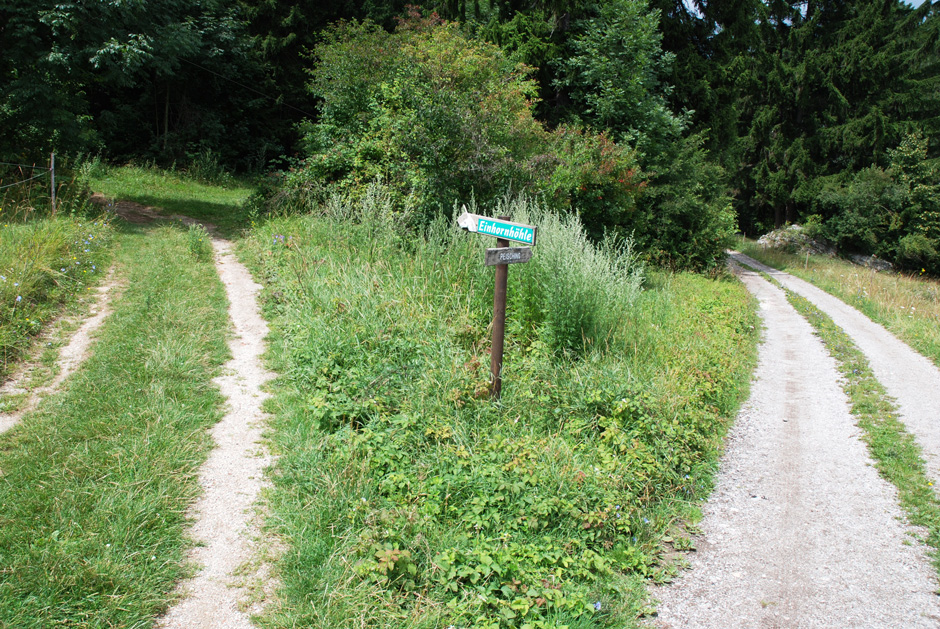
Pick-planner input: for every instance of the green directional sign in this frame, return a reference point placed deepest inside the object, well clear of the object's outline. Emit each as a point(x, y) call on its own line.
point(509, 231)
point(498, 228)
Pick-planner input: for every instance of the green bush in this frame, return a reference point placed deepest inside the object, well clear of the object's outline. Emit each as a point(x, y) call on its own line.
point(440, 118)
point(893, 213)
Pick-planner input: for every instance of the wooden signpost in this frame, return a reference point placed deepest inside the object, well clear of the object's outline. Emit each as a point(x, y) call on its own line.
point(501, 257)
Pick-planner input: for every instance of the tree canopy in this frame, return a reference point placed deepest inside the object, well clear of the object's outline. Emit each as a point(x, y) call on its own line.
point(778, 110)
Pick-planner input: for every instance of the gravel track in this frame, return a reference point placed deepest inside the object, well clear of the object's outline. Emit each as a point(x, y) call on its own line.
point(232, 477)
point(800, 530)
point(71, 356)
point(907, 376)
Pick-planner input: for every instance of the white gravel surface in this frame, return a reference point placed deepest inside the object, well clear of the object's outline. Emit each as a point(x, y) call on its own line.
point(800, 531)
point(907, 376)
point(232, 477)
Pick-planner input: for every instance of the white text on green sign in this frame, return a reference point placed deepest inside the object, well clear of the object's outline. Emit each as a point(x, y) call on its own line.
point(509, 231)
point(495, 227)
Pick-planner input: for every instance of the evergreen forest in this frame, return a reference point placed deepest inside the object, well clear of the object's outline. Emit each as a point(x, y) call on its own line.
point(676, 122)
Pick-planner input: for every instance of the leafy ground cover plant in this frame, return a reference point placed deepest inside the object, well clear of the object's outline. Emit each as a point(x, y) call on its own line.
point(96, 481)
point(408, 498)
point(906, 304)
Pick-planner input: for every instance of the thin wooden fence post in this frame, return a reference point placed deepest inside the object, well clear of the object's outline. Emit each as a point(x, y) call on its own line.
point(52, 181)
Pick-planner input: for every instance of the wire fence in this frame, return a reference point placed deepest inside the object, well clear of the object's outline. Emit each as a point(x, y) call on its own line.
point(33, 166)
point(20, 183)
point(47, 171)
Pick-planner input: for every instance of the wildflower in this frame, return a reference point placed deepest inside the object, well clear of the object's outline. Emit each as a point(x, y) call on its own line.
point(3, 277)
point(62, 269)
point(646, 521)
point(597, 606)
point(19, 298)
point(16, 283)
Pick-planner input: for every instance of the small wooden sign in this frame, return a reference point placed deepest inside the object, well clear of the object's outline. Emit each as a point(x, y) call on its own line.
point(507, 255)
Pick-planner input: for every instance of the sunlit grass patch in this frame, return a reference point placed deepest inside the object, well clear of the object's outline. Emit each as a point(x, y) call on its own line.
point(907, 305)
point(174, 193)
point(42, 263)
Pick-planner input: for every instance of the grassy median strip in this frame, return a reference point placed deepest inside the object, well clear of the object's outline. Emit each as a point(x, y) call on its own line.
point(896, 453)
point(408, 498)
point(906, 304)
point(94, 485)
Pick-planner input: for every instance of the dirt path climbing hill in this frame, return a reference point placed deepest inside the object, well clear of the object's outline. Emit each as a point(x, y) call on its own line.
point(907, 376)
point(800, 531)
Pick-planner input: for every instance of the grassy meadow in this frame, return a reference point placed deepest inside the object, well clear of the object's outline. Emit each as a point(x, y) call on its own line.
point(907, 305)
point(95, 483)
point(46, 259)
point(406, 497)
point(174, 193)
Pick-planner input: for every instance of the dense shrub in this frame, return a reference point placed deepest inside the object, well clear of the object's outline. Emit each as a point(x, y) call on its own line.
point(438, 118)
point(893, 213)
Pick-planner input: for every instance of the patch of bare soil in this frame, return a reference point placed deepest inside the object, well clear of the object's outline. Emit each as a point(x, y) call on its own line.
point(232, 478)
point(800, 530)
point(70, 357)
point(142, 214)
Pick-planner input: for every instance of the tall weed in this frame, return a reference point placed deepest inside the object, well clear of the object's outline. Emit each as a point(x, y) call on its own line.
point(42, 263)
point(574, 291)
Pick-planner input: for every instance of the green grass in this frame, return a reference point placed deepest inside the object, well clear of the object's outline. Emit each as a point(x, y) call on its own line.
point(895, 451)
point(94, 484)
point(407, 498)
point(908, 306)
point(174, 193)
point(44, 263)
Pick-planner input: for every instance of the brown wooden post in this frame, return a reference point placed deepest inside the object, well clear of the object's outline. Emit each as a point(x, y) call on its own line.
point(499, 323)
